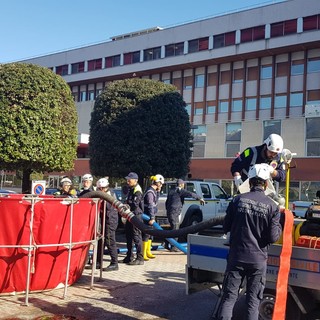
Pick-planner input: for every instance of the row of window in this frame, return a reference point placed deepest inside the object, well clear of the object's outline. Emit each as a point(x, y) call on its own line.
point(265, 102)
point(233, 135)
point(222, 40)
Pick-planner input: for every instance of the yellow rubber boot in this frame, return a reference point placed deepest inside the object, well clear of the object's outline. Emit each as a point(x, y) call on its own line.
point(145, 248)
point(149, 254)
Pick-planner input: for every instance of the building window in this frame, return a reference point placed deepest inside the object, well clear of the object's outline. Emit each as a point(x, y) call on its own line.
point(224, 40)
point(265, 102)
point(251, 104)
point(91, 95)
point(131, 57)
point(225, 77)
point(238, 75)
point(83, 96)
point(77, 67)
point(199, 81)
point(188, 109)
point(313, 137)
point(297, 67)
point(152, 54)
point(252, 74)
point(95, 64)
point(313, 65)
point(223, 106)
point(296, 99)
point(313, 97)
point(167, 81)
point(75, 96)
point(283, 28)
point(282, 69)
point(211, 109)
point(311, 23)
point(198, 111)
point(271, 126)
point(113, 61)
point(98, 92)
point(175, 49)
point(198, 45)
point(233, 139)
point(266, 72)
point(212, 79)
point(200, 130)
point(187, 83)
point(236, 105)
point(280, 101)
point(62, 70)
point(253, 34)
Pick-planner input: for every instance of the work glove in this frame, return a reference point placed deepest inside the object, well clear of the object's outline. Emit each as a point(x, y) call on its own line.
point(237, 181)
point(202, 202)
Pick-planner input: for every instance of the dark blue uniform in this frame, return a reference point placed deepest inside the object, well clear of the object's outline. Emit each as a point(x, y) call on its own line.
point(174, 204)
point(253, 222)
point(256, 155)
point(150, 198)
point(133, 234)
point(111, 225)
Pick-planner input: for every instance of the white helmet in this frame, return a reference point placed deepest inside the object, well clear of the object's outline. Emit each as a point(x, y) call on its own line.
point(65, 181)
point(274, 143)
point(102, 183)
point(86, 177)
point(259, 171)
point(158, 178)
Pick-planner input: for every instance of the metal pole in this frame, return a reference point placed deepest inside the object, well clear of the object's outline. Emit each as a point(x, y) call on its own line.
point(69, 249)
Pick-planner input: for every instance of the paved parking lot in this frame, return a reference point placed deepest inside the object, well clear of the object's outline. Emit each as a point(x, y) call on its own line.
point(155, 290)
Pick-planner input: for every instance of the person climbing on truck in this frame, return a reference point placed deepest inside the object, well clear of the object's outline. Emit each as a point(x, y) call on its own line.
point(269, 152)
point(253, 220)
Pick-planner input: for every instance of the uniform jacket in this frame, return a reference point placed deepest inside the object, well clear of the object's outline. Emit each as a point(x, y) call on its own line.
point(175, 200)
point(151, 198)
point(252, 156)
point(253, 222)
point(135, 199)
point(112, 217)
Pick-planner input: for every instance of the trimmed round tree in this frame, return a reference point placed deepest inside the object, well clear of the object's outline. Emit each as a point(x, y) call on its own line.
point(38, 121)
point(140, 125)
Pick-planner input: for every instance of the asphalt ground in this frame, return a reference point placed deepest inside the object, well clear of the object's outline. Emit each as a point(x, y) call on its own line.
point(155, 290)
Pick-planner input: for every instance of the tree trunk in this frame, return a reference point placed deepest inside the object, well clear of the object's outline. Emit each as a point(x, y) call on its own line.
point(26, 183)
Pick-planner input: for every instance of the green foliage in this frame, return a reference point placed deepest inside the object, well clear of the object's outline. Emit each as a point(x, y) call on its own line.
point(140, 125)
point(38, 119)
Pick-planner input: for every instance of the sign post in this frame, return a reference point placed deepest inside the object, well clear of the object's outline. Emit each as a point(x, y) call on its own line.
point(38, 187)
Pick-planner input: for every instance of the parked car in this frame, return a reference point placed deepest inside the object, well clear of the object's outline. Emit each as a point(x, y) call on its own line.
point(6, 191)
point(51, 190)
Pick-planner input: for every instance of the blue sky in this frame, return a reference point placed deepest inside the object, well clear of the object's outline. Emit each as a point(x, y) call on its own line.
point(30, 28)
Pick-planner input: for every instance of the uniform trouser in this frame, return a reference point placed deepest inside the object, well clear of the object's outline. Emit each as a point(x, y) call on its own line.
point(134, 235)
point(174, 222)
point(255, 282)
point(146, 237)
point(110, 243)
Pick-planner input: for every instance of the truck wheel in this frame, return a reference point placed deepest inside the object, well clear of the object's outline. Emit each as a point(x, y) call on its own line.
point(194, 220)
point(267, 305)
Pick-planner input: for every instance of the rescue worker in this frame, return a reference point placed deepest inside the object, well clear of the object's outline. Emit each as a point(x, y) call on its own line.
point(66, 189)
point(87, 184)
point(174, 203)
point(269, 152)
point(133, 234)
point(111, 224)
point(150, 199)
point(253, 220)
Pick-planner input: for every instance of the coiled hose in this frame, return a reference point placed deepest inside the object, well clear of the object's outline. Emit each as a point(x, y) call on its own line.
point(125, 212)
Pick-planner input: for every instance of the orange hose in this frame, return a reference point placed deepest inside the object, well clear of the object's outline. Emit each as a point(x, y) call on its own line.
point(279, 312)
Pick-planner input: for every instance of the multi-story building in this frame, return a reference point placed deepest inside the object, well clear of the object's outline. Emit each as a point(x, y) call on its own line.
point(243, 76)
